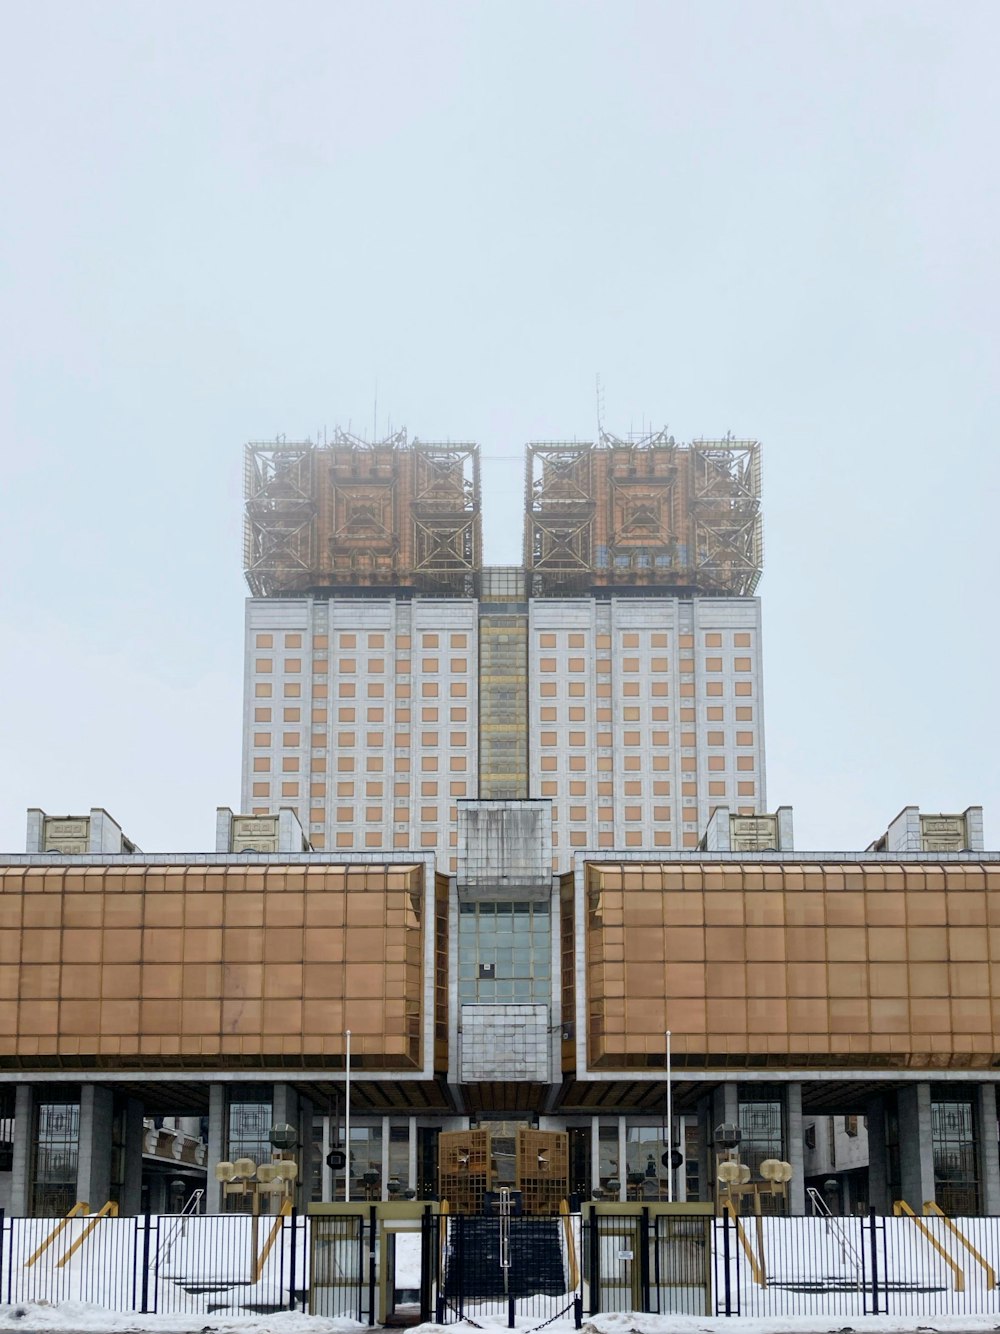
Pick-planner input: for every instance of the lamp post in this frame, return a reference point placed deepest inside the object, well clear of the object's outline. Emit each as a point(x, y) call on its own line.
point(670, 1126)
point(347, 1117)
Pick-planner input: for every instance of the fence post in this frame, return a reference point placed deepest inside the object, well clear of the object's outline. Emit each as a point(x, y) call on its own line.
point(727, 1283)
point(644, 1259)
point(2, 1223)
point(425, 1263)
point(595, 1263)
point(372, 1223)
point(291, 1259)
point(146, 1229)
point(874, 1259)
point(440, 1233)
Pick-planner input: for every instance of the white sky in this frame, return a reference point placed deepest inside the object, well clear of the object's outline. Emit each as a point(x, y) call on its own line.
point(223, 221)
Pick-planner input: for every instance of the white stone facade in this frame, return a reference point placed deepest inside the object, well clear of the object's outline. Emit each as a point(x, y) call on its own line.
point(644, 714)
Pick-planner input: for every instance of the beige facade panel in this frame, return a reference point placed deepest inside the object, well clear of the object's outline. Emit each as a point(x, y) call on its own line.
point(793, 964)
point(234, 966)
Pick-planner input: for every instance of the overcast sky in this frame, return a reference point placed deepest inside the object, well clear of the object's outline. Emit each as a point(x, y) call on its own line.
point(227, 221)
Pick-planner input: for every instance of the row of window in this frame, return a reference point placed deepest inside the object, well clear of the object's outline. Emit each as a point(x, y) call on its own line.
point(375, 714)
point(373, 640)
point(375, 666)
point(634, 639)
point(632, 666)
point(373, 690)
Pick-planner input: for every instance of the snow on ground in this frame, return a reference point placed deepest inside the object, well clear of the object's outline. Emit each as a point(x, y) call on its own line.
point(82, 1317)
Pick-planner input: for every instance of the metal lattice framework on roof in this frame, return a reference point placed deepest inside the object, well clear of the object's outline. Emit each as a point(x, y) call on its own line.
point(353, 514)
point(643, 512)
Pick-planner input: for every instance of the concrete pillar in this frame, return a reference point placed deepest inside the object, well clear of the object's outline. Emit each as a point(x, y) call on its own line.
point(93, 1177)
point(284, 1105)
point(223, 829)
point(878, 1162)
point(131, 1194)
point(794, 1148)
point(988, 1148)
point(285, 1109)
point(725, 1107)
point(36, 830)
point(706, 1158)
point(916, 1157)
point(214, 1203)
point(306, 1152)
point(24, 1141)
point(786, 836)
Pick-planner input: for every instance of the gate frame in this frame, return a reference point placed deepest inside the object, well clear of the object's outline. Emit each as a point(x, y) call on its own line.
point(640, 1214)
point(377, 1219)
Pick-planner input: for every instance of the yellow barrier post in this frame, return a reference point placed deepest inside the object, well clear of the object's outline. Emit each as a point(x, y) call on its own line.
point(900, 1208)
point(931, 1208)
point(574, 1270)
point(78, 1210)
point(755, 1268)
point(259, 1260)
point(109, 1210)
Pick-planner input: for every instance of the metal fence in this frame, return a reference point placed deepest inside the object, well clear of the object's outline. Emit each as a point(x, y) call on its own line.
point(184, 1264)
point(874, 1265)
point(533, 1270)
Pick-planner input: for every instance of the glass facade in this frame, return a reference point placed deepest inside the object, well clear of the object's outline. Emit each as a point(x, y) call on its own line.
point(646, 1176)
point(56, 1159)
point(504, 953)
point(956, 1171)
point(249, 1123)
point(761, 1124)
point(366, 1162)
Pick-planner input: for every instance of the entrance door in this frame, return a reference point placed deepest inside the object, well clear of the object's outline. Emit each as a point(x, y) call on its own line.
point(579, 1161)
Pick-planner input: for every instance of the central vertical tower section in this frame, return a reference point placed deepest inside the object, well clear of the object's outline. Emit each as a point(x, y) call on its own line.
point(503, 683)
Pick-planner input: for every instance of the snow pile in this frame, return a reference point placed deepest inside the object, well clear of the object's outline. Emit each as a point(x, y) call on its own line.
point(85, 1316)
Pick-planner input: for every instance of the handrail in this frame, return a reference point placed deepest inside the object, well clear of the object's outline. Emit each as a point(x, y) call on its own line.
point(279, 1222)
point(900, 1208)
point(163, 1251)
point(756, 1268)
point(931, 1208)
point(574, 1269)
point(822, 1210)
point(78, 1211)
point(819, 1205)
point(109, 1210)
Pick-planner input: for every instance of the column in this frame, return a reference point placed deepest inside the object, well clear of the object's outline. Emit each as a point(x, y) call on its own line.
point(725, 1107)
point(24, 1140)
point(217, 1147)
point(285, 1111)
point(93, 1177)
point(916, 1155)
point(306, 1154)
point(131, 1192)
point(878, 1166)
point(706, 1153)
point(794, 1149)
point(987, 1147)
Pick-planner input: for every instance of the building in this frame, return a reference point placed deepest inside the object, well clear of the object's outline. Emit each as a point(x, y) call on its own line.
point(505, 828)
point(390, 675)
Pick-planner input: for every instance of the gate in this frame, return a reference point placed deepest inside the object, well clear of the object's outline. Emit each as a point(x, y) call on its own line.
point(654, 1258)
point(527, 1268)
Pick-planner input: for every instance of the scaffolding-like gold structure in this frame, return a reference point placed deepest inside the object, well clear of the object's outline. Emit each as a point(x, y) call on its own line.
point(643, 512)
point(349, 513)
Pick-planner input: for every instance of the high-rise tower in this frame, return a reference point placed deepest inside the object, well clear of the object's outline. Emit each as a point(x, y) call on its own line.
point(616, 673)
